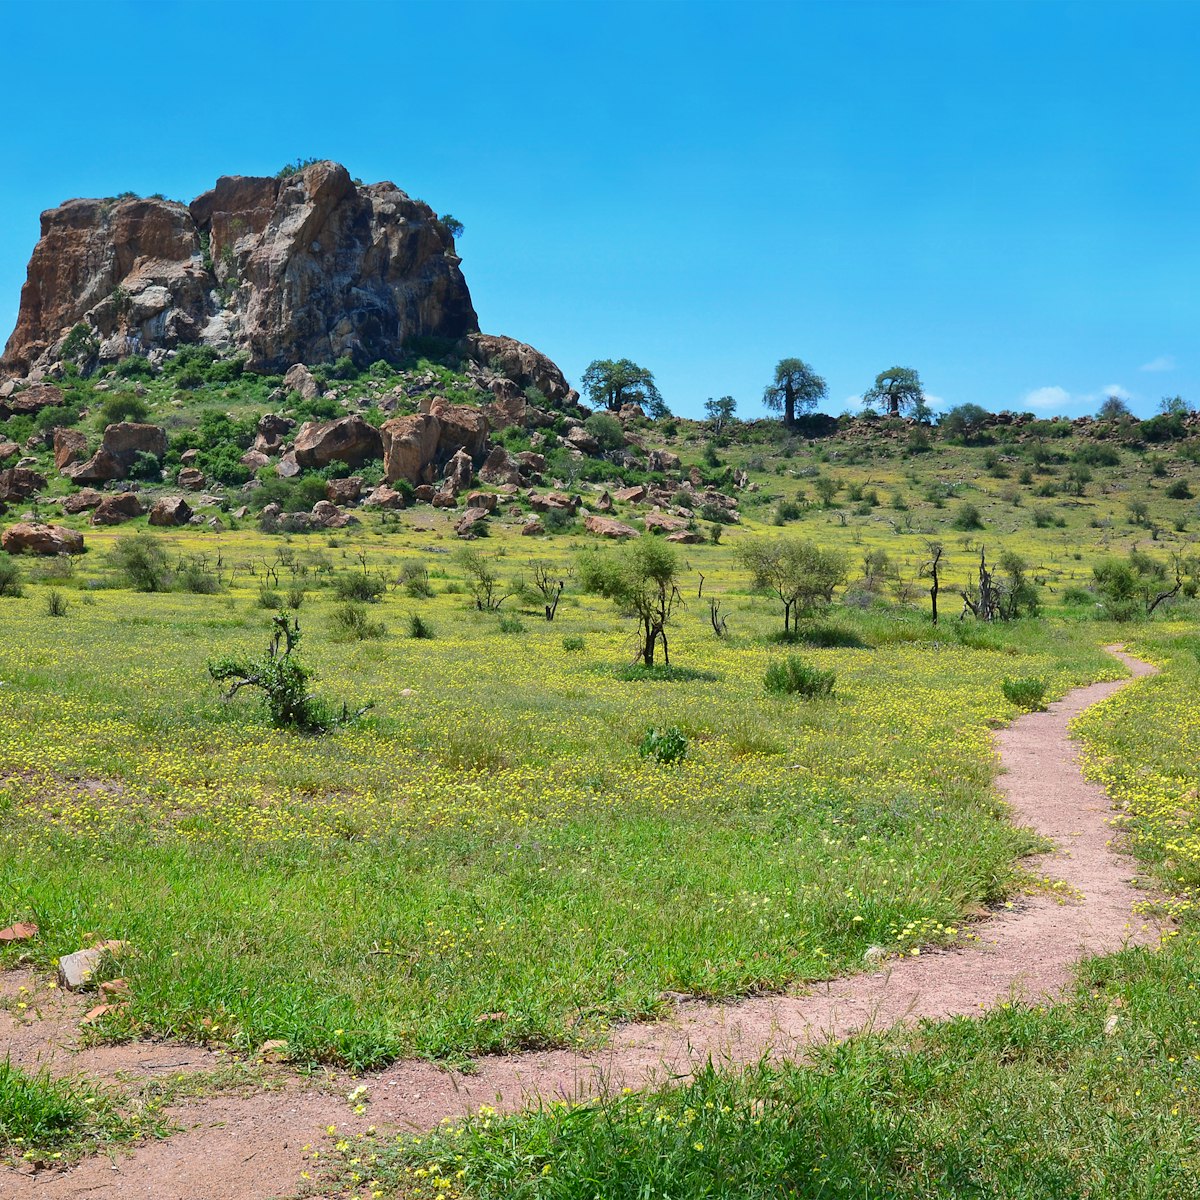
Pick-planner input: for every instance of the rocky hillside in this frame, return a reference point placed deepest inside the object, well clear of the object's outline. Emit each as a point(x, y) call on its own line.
point(308, 267)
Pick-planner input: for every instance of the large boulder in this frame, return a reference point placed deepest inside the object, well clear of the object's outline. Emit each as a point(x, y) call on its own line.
point(500, 466)
point(300, 379)
point(70, 447)
point(347, 439)
point(34, 537)
point(272, 429)
point(8, 450)
point(121, 445)
point(82, 500)
point(170, 510)
point(29, 401)
point(607, 527)
point(409, 447)
point(343, 491)
point(19, 483)
point(117, 508)
point(460, 427)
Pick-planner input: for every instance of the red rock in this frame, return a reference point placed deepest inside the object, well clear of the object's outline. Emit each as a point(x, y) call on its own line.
point(630, 495)
point(117, 508)
point(38, 538)
point(19, 483)
point(607, 527)
point(191, 478)
point(22, 931)
point(170, 510)
point(70, 447)
point(82, 500)
point(348, 439)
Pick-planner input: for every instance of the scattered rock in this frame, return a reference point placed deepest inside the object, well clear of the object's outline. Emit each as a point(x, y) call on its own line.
point(484, 500)
point(532, 528)
point(658, 522)
point(384, 497)
point(663, 460)
point(344, 491)
point(274, 1051)
point(630, 495)
point(686, 537)
point(82, 500)
point(604, 504)
point(191, 478)
point(467, 522)
point(22, 931)
point(75, 971)
point(8, 449)
point(19, 483)
point(300, 379)
point(287, 467)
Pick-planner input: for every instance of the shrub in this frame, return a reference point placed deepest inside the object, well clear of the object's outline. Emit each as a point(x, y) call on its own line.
point(830, 636)
point(269, 598)
point(414, 578)
point(1025, 692)
point(295, 596)
point(572, 643)
point(785, 511)
point(1077, 596)
point(509, 624)
point(664, 745)
point(195, 577)
point(351, 622)
point(56, 604)
point(967, 517)
point(283, 681)
point(142, 561)
point(558, 520)
point(419, 628)
point(145, 466)
point(123, 406)
point(1179, 490)
point(606, 429)
point(794, 677)
point(10, 576)
point(359, 586)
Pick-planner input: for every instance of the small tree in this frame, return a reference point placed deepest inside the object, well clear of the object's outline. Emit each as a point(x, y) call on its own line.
point(720, 412)
point(482, 579)
point(795, 570)
point(452, 225)
point(965, 421)
point(1114, 409)
point(549, 584)
point(899, 389)
point(616, 382)
point(143, 562)
point(932, 568)
point(796, 387)
point(283, 681)
point(641, 579)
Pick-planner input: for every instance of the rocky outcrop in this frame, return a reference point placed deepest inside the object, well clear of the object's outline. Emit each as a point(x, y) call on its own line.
point(70, 447)
point(607, 527)
point(304, 268)
point(418, 447)
point(30, 401)
point(524, 365)
point(348, 439)
point(33, 537)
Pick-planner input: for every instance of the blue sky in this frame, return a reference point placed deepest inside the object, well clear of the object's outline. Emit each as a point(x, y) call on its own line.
point(1004, 196)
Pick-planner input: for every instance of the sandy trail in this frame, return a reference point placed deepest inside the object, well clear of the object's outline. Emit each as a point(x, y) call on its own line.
point(234, 1148)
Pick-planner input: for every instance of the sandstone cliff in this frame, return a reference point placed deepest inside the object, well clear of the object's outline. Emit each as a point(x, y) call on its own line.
point(304, 268)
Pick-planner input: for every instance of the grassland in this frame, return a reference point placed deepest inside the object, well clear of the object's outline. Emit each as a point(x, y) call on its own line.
point(485, 862)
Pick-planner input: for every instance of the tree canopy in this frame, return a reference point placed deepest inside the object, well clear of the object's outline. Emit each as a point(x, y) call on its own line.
point(796, 386)
point(966, 421)
point(899, 388)
point(720, 412)
point(616, 382)
point(795, 570)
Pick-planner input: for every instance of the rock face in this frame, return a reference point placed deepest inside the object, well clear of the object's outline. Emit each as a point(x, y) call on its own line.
point(418, 447)
point(114, 509)
point(524, 365)
point(170, 510)
point(297, 269)
point(19, 483)
point(37, 538)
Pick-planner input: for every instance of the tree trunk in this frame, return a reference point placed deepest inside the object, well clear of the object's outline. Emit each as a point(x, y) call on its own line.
point(789, 404)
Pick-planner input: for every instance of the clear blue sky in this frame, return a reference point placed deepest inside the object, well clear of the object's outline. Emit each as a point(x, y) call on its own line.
point(1004, 196)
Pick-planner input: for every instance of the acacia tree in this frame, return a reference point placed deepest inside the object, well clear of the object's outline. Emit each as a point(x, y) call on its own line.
point(615, 382)
point(795, 570)
point(796, 386)
point(641, 579)
point(900, 389)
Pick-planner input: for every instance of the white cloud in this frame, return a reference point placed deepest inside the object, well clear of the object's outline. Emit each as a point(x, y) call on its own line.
point(1164, 362)
point(1047, 399)
point(1113, 389)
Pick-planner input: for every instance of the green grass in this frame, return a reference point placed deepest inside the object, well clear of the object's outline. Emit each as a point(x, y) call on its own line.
point(492, 842)
point(1092, 1098)
point(47, 1121)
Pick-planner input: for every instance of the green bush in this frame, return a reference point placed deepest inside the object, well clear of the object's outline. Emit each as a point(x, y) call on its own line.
point(56, 603)
point(419, 628)
point(359, 587)
point(196, 578)
point(794, 677)
point(606, 429)
point(122, 406)
point(1179, 490)
point(1025, 692)
point(269, 598)
point(832, 636)
point(141, 559)
point(968, 517)
point(511, 625)
point(10, 576)
point(351, 622)
point(145, 466)
point(572, 643)
point(664, 745)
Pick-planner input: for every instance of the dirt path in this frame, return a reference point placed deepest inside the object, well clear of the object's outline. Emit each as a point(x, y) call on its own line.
point(242, 1148)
